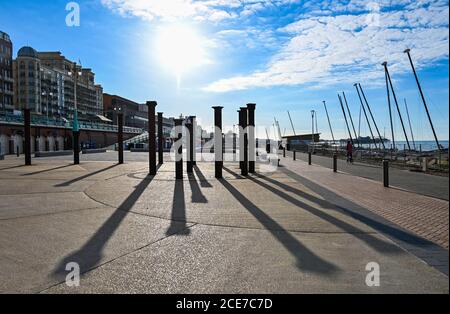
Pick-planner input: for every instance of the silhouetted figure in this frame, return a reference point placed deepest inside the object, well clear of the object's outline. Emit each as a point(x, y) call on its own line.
point(349, 152)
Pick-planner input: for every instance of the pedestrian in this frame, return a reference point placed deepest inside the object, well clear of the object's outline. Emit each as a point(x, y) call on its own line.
point(349, 152)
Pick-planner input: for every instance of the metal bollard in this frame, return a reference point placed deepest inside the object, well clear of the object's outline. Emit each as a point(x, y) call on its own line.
point(424, 164)
point(284, 152)
point(334, 162)
point(17, 151)
point(309, 158)
point(386, 173)
point(293, 156)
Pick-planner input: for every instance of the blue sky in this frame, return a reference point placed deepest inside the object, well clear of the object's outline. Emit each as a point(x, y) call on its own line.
point(281, 54)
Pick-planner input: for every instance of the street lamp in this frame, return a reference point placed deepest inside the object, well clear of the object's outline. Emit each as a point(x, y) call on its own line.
point(75, 126)
point(45, 93)
point(313, 113)
point(119, 114)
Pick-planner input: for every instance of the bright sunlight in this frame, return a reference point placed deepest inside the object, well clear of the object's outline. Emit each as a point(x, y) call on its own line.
point(180, 49)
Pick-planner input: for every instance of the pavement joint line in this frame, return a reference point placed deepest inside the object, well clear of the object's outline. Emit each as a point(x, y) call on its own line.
point(120, 256)
point(123, 174)
point(190, 226)
point(28, 179)
point(229, 226)
point(37, 193)
point(55, 213)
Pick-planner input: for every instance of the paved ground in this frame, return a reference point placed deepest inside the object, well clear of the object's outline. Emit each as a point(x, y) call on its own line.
point(282, 232)
point(425, 216)
point(425, 184)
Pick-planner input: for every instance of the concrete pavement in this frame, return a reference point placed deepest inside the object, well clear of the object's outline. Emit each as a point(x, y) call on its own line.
point(138, 234)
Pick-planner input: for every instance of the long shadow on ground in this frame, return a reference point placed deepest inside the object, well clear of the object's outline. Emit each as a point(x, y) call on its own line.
point(178, 218)
point(306, 259)
point(67, 183)
point(369, 239)
point(431, 253)
point(90, 254)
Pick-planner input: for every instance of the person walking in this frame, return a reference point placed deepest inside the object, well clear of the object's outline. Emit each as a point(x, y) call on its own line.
point(349, 152)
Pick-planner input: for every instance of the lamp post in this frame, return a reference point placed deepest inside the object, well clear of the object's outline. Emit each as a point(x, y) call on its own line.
point(119, 114)
point(75, 126)
point(313, 113)
point(27, 125)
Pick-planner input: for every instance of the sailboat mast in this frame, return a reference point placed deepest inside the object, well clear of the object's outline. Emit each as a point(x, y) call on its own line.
point(371, 115)
point(345, 118)
point(365, 114)
point(351, 119)
point(390, 111)
point(396, 103)
point(410, 127)
point(292, 124)
point(329, 123)
point(407, 51)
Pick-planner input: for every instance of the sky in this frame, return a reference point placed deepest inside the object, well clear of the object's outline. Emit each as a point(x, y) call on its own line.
point(283, 55)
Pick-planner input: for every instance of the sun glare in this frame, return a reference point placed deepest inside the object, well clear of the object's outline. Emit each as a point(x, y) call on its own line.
point(180, 49)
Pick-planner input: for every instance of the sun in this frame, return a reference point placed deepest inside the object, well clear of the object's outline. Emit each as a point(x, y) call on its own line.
point(180, 49)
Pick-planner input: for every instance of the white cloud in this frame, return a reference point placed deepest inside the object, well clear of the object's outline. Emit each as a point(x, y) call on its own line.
point(200, 10)
point(350, 47)
point(172, 9)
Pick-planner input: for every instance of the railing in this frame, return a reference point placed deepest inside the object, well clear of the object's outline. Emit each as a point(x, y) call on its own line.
point(51, 122)
point(438, 160)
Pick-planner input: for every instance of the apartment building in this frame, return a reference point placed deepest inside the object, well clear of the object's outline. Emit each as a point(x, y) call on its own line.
point(6, 73)
point(45, 83)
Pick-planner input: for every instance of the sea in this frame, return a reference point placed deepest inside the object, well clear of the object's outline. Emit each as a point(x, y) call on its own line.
point(420, 145)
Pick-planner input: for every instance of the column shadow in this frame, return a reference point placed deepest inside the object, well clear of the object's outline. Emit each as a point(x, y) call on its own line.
point(197, 195)
point(369, 239)
point(306, 259)
point(203, 181)
point(90, 253)
point(12, 167)
point(355, 211)
point(46, 170)
point(67, 183)
point(178, 217)
point(234, 174)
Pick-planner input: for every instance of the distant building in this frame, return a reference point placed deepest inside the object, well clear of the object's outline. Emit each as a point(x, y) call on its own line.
point(300, 141)
point(6, 73)
point(88, 101)
point(27, 80)
point(134, 114)
point(44, 82)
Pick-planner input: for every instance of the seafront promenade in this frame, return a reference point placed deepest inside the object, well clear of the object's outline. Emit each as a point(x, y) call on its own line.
point(300, 229)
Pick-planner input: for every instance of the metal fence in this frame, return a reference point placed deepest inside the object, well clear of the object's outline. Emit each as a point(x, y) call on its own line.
point(427, 161)
point(51, 122)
